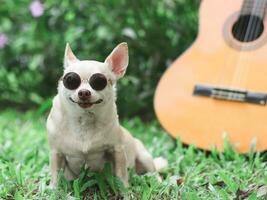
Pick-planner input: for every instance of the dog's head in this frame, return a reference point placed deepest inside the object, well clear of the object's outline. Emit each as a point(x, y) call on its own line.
point(89, 84)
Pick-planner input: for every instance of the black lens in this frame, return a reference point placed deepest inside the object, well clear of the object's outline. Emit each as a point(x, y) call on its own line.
point(98, 81)
point(71, 81)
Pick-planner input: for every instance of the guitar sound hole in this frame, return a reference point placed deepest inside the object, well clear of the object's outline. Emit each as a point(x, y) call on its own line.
point(248, 28)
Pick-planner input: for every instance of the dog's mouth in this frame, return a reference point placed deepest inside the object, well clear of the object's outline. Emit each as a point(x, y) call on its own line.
point(86, 104)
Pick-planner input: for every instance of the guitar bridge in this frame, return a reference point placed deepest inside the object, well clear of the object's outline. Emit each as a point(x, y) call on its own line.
point(230, 94)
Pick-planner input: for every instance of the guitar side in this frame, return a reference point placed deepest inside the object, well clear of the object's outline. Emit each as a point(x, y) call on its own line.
point(204, 121)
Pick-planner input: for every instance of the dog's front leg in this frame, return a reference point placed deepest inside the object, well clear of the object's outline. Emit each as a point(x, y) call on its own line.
point(57, 162)
point(120, 162)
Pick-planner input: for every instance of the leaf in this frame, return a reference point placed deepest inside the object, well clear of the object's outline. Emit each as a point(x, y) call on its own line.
point(232, 186)
point(35, 62)
point(193, 196)
point(88, 184)
point(18, 196)
point(76, 187)
point(146, 192)
point(109, 177)
point(34, 97)
point(45, 106)
point(253, 196)
point(101, 185)
point(223, 194)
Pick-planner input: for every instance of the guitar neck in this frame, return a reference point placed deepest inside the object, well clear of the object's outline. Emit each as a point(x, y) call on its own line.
point(254, 7)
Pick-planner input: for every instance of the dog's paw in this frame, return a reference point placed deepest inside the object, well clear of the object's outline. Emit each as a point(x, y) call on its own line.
point(160, 163)
point(126, 184)
point(52, 185)
point(159, 179)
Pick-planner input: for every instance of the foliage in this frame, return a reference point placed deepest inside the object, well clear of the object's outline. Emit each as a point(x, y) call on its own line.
point(30, 65)
point(192, 173)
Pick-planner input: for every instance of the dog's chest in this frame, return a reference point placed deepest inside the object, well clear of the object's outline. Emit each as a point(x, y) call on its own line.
point(84, 137)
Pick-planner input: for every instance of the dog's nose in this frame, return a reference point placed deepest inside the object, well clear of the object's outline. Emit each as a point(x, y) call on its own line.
point(84, 94)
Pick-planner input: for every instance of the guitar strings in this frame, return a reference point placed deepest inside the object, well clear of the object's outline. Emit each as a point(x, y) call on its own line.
point(229, 59)
point(247, 28)
point(253, 29)
point(241, 29)
point(243, 58)
point(246, 33)
point(226, 62)
point(258, 27)
point(241, 64)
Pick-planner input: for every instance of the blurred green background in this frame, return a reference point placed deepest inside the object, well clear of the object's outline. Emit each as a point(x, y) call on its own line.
point(33, 35)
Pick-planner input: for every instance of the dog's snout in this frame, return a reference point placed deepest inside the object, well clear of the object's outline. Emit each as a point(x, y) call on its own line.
point(84, 94)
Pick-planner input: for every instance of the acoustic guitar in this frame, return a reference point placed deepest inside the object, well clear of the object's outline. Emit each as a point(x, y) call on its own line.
point(217, 89)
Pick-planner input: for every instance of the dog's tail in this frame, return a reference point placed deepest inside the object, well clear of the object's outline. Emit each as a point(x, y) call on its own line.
point(160, 163)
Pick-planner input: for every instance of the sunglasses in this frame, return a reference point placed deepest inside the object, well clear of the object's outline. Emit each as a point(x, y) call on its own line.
point(72, 81)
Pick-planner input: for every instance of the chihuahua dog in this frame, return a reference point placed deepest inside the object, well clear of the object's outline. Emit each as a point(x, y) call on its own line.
point(83, 126)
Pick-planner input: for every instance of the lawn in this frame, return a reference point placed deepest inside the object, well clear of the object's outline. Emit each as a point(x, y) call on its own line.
point(192, 173)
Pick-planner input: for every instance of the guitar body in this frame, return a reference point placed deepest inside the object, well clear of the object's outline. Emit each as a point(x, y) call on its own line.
point(216, 58)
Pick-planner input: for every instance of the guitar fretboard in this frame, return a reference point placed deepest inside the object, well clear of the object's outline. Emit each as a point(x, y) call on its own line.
point(254, 7)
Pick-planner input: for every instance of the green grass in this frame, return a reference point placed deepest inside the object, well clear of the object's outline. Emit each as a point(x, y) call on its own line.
point(192, 173)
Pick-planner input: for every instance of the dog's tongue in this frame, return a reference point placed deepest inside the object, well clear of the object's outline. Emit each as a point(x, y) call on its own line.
point(85, 105)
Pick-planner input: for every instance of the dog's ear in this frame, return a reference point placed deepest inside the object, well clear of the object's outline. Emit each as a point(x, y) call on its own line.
point(69, 56)
point(118, 60)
